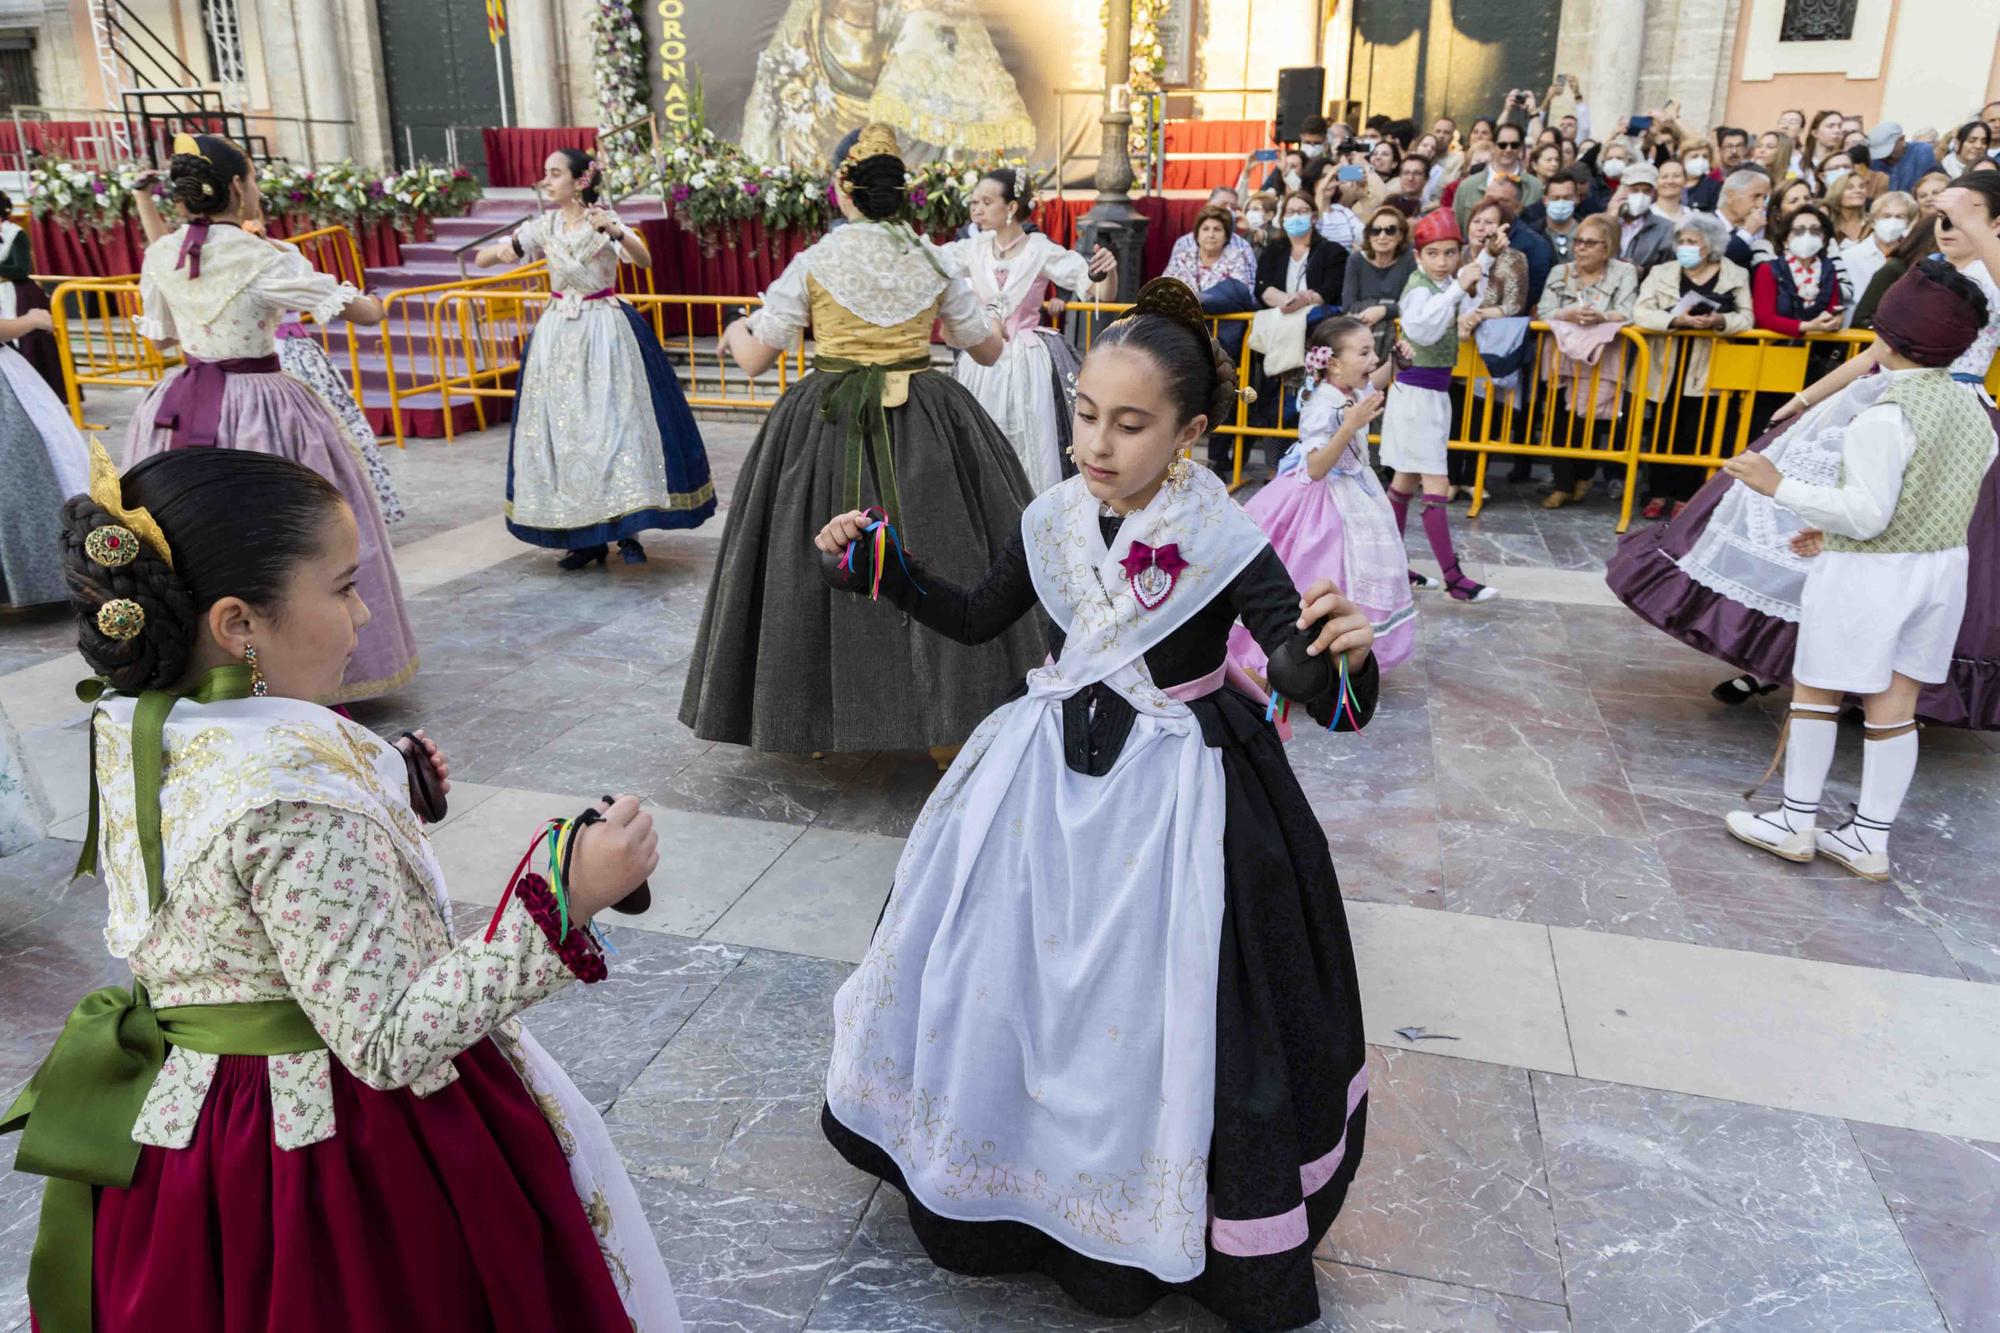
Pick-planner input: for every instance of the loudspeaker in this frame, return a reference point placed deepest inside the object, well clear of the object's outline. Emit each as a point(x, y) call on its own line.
point(1299, 94)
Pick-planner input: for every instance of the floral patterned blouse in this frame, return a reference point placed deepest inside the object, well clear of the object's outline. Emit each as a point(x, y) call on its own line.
point(316, 904)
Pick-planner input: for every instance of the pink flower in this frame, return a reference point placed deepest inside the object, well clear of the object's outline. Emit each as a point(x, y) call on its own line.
point(750, 187)
point(681, 193)
point(918, 198)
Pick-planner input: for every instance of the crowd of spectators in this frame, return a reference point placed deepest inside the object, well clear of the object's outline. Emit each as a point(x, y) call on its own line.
point(1796, 229)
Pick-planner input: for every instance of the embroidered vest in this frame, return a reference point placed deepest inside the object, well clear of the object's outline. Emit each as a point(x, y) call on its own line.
point(1442, 354)
point(1941, 485)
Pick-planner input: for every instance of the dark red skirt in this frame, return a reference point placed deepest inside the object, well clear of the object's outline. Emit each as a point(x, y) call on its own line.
point(452, 1213)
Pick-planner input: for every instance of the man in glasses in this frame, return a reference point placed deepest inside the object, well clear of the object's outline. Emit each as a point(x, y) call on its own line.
point(1509, 141)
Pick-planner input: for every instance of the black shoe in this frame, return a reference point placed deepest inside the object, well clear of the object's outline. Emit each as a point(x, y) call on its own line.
point(630, 551)
point(1741, 689)
point(1520, 474)
point(583, 557)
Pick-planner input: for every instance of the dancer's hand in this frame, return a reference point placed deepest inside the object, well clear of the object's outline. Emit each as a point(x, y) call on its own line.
point(613, 858)
point(432, 755)
point(1103, 263)
point(843, 530)
point(1808, 542)
point(1343, 626)
point(1757, 472)
point(1790, 408)
point(39, 320)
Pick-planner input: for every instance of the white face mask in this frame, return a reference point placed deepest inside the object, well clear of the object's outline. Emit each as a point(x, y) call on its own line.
point(1292, 181)
point(1638, 205)
point(1614, 168)
point(1697, 167)
point(1803, 246)
point(1253, 218)
point(1312, 150)
point(1834, 178)
point(1892, 229)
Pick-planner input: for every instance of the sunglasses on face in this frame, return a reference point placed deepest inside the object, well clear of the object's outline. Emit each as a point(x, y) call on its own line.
point(1506, 145)
point(1385, 231)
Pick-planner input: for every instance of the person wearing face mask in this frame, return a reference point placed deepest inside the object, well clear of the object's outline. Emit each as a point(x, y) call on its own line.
point(1799, 292)
point(1886, 223)
point(1555, 218)
point(1704, 187)
point(1611, 163)
point(1260, 220)
point(1697, 289)
point(1645, 237)
point(1301, 270)
point(1918, 242)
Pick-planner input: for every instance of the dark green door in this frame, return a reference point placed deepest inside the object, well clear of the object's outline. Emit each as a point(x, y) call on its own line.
point(440, 72)
point(1430, 58)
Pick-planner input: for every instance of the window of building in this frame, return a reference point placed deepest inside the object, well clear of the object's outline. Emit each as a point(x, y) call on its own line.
point(1817, 21)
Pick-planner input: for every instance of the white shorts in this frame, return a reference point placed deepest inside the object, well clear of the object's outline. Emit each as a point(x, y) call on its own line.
point(1416, 427)
point(1863, 617)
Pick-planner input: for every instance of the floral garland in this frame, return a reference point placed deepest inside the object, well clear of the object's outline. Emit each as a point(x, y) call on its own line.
point(341, 192)
point(618, 54)
point(712, 185)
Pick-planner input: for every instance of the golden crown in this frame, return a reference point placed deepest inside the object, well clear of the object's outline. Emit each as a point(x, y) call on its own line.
point(876, 140)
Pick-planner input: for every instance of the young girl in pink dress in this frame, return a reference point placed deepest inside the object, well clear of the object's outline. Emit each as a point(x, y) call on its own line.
point(1325, 512)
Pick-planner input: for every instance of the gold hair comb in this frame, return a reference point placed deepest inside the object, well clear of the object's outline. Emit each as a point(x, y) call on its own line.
point(106, 491)
point(189, 145)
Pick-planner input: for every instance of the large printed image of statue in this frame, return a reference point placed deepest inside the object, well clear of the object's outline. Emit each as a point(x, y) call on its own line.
point(927, 67)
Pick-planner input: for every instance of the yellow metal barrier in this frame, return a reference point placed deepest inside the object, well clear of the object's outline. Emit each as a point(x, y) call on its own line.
point(99, 343)
point(410, 317)
point(481, 333)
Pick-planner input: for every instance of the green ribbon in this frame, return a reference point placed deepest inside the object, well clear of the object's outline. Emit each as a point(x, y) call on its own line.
point(76, 1114)
point(855, 400)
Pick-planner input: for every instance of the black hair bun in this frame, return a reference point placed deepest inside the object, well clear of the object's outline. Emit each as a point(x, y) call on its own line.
point(876, 184)
point(1170, 298)
point(199, 182)
point(157, 657)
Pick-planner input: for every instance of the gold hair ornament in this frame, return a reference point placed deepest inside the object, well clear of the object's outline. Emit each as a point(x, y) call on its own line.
point(112, 546)
point(105, 490)
point(186, 145)
point(121, 618)
point(875, 140)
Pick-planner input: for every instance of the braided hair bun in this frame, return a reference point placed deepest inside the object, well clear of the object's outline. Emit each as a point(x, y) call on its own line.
point(199, 181)
point(1167, 324)
point(875, 184)
point(237, 523)
point(157, 657)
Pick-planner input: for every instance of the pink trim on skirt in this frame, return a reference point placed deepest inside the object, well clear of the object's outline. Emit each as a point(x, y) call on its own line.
point(1248, 1237)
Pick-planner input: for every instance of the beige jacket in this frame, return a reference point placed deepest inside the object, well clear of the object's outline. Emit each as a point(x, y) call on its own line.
point(1654, 311)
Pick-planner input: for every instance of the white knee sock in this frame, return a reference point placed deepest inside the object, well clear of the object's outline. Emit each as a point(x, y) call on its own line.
point(1886, 769)
point(1808, 756)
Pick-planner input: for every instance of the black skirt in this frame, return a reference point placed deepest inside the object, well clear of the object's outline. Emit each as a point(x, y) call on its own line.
point(784, 663)
point(1290, 1071)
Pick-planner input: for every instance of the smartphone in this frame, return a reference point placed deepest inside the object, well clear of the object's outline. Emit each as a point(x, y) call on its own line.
point(1639, 125)
point(1351, 173)
point(1264, 155)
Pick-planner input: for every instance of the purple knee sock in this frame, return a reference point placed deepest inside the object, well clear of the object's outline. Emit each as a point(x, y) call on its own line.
point(1399, 501)
point(1437, 528)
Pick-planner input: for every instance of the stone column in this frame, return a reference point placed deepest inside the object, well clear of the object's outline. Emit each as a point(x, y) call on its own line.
point(1611, 84)
point(535, 41)
point(317, 28)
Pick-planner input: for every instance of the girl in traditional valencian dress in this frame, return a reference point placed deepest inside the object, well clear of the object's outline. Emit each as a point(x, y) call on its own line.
point(1325, 511)
point(782, 663)
point(603, 444)
point(1108, 1027)
point(221, 293)
point(1027, 392)
point(312, 1110)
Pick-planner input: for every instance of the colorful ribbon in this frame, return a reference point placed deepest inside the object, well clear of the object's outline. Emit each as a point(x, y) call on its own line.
point(1278, 710)
point(881, 534)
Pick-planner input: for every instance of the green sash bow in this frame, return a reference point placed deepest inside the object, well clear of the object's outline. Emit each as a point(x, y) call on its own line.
point(76, 1114)
point(855, 400)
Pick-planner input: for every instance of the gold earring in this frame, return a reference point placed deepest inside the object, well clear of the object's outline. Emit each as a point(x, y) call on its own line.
point(1177, 471)
point(258, 689)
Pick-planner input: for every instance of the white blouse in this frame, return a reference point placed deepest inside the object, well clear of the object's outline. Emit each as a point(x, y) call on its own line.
point(247, 288)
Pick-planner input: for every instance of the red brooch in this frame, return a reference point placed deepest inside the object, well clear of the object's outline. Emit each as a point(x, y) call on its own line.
point(1152, 571)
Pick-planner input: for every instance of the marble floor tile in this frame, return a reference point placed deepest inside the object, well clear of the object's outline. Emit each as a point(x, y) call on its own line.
point(742, 1263)
point(623, 747)
point(1367, 1300)
point(1489, 984)
point(706, 861)
point(885, 797)
point(20, 1217)
point(820, 898)
point(884, 1281)
point(1678, 1212)
point(1385, 846)
point(1895, 1049)
point(604, 1035)
point(732, 1102)
point(1451, 1186)
point(1945, 1194)
point(1559, 879)
point(59, 759)
point(1492, 769)
point(44, 694)
point(431, 562)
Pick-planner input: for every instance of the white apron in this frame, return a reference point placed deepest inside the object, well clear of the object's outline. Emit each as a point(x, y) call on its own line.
point(1031, 1036)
